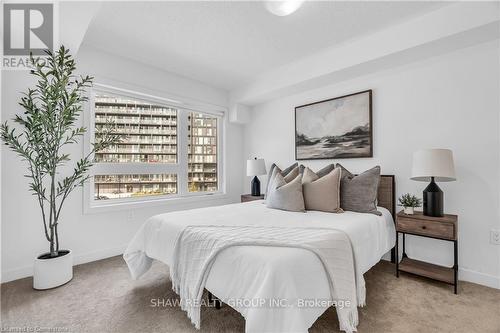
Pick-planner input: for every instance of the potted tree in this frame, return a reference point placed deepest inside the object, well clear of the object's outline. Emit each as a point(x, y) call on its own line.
point(409, 203)
point(39, 137)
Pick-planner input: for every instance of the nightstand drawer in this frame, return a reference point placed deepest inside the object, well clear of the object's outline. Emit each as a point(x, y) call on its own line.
point(425, 227)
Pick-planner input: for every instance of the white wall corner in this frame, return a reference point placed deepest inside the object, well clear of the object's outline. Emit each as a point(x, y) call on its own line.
point(239, 113)
point(74, 20)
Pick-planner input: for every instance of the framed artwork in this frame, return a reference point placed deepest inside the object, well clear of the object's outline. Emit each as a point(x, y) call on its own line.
point(340, 127)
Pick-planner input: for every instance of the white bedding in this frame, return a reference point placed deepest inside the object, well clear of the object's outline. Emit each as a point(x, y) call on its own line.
point(257, 272)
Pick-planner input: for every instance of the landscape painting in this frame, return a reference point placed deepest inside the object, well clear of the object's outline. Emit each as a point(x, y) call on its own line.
point(336, 128)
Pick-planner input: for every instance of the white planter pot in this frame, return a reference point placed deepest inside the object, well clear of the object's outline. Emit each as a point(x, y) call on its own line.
point(408, 210)
point(53, 272)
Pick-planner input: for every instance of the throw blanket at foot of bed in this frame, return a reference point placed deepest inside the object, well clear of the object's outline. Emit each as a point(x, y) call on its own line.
point(197, 247)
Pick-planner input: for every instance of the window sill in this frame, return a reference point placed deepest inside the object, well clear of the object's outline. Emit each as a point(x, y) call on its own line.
point(175, 202)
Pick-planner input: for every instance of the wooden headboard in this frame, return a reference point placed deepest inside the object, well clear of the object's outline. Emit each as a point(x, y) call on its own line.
point(387, 194)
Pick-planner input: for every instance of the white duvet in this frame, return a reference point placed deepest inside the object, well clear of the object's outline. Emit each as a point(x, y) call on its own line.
point(242, 274)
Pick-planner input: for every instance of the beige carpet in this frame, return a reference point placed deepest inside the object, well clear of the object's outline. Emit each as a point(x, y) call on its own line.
point(103, 298)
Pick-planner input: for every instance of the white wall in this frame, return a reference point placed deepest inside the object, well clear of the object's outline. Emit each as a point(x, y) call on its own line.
point(451, 101)
point(96, 236)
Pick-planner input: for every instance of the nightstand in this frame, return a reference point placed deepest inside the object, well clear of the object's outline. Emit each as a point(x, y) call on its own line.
point(249, 197)
point(443, 228)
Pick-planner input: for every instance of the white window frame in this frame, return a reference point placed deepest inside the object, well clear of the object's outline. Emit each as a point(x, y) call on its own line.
point(180, 168)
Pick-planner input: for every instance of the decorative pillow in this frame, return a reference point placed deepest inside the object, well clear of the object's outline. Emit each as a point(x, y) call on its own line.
point(284, 173)
point(359, 193)
point(323, 172)
point(322, 193)
point(285, 195)
point(291, 175)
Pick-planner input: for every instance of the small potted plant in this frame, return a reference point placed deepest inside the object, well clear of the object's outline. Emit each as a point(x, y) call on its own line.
point(409, 202)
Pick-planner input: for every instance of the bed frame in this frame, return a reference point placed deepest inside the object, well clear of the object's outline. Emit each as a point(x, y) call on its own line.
point(387, 198)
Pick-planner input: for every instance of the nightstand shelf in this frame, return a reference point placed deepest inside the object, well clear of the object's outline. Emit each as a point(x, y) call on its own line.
point(442, 228)
point(431, 271)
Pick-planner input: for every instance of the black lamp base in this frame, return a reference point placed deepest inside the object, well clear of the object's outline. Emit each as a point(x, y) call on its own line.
point(433, 200)
point(255, 186)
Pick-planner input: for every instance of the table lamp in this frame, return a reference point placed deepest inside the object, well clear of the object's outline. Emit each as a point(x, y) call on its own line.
point(256, 167)
point(434, 165)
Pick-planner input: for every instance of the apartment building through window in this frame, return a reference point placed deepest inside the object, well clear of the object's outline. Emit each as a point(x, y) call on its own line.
point(149, 161)
point(202, 158)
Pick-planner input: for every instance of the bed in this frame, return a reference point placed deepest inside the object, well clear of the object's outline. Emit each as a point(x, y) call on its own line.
point(244, 273)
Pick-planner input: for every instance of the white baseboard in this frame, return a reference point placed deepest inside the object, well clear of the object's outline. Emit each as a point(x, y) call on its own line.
point(470, 276)
point(98, 255)
point(479, 278)
point(22, 272)
point(27, 271)
point(17, 273)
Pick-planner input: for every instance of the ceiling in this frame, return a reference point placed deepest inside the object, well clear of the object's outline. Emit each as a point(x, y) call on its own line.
point(229, 44)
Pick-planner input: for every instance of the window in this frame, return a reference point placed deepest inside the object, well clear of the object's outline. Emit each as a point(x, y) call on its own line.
point(165, 151)
point(128, 186)
point(202, 158)
point(149, 131)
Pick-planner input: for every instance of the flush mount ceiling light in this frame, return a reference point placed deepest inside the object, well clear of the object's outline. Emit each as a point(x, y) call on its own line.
point(283, 7)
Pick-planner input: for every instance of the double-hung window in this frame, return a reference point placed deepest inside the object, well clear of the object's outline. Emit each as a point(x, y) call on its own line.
point(165, 151)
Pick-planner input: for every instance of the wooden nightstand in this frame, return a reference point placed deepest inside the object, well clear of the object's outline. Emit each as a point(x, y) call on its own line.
point(444, 228)
point(249, 197)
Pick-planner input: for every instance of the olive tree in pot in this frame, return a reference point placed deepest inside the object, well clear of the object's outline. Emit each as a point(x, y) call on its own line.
point(41, 136)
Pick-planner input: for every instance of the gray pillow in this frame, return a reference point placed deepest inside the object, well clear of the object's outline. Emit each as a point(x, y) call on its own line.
point(359, 193)
point(323, 172)
point(284, 173)
point(291, 175)
point(283, 195)
point(322, 193)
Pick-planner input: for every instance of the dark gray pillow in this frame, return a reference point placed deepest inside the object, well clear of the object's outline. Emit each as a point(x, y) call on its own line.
point(359, 193)
point(284, 173)
point(323, 172)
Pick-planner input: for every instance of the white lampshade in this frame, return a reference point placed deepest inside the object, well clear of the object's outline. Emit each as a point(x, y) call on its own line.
point(256, 167)
point(437, 163)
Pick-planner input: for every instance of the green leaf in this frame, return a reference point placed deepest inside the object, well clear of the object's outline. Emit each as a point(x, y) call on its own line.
point(51, 110)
